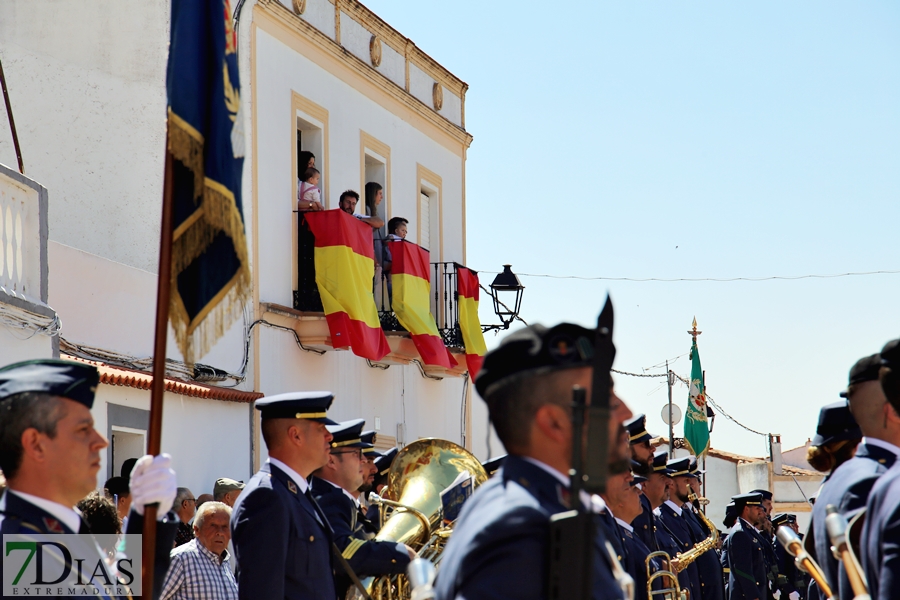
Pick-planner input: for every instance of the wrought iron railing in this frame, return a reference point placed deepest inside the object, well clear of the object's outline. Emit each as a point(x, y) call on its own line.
point(445, 302)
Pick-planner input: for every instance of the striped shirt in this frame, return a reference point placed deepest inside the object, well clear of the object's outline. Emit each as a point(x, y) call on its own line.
point(195, 573)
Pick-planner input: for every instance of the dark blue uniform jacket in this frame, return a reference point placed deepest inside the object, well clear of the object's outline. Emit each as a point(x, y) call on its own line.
point(23, 517)
point(881, 536)
point(678, 530)
point(847, 488)
point(281, 540)
point(499, 546)
point(747, 577)
point(708, 566)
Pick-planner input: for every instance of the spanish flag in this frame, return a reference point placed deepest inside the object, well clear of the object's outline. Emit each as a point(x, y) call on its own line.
point(345, 266)
point(411, 302)
point(469, 324)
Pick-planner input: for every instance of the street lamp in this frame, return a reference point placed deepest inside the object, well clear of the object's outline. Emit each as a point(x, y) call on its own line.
point(507, 306)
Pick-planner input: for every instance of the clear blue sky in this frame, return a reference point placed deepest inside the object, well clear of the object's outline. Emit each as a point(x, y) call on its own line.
point(689, 139)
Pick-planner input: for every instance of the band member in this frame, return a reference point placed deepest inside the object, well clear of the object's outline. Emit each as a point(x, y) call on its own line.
point(282, 539)
point(367, 528)
point(795, 582)
point(672, 520)
point(849, 485)
point(499, 545)
point(656, 491)
point(709, 567)
point(747, 578)
point(837, 438)
point(881, 530)
point(642, 453)
point(622, 496)
point(333, 487)
point(767, 538)
point(382, 468)
point(50, 456)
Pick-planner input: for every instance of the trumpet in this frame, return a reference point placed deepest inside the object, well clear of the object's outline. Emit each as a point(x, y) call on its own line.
point(673, 591)
point(792, 543)
point(836, 525)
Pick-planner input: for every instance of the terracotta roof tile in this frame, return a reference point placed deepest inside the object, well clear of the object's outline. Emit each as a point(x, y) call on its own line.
point(111, 375)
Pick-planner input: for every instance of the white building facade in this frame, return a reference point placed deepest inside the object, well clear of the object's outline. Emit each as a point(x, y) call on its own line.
point(87, 85)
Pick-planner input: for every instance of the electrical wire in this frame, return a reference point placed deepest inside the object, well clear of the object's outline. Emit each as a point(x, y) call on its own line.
point(699, 279)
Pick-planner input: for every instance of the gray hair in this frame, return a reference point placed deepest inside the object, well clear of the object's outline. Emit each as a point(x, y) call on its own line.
point(210, 508)
point(25, 411)
point(181, 494)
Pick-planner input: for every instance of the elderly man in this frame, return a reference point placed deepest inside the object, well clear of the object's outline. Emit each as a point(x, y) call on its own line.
point(200, 569)
point(185, 508)
point(334, 487)
point(282, 539)
point(500, 543)
point(50, 454)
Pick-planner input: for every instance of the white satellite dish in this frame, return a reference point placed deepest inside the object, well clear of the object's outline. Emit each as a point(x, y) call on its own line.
point(676, 414)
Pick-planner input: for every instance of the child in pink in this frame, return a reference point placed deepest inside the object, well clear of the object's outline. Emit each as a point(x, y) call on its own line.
point(308, 195)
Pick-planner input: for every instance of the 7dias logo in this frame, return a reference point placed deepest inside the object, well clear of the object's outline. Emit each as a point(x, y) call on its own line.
point(71, 565)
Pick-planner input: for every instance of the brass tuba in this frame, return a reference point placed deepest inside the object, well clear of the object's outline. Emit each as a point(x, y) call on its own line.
point(411, 511)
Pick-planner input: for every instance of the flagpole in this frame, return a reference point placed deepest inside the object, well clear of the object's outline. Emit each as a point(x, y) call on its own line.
point(158, 385)
point(670, 381)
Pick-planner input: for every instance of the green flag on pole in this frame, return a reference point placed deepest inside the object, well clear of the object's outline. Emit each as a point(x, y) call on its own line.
point(696, 427)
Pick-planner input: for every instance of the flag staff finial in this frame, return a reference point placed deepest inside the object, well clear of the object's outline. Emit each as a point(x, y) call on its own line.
point(693, 332)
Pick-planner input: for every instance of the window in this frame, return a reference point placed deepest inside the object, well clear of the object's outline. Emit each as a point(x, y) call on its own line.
point(429, 232)
point(127, 434)
point(309, 124)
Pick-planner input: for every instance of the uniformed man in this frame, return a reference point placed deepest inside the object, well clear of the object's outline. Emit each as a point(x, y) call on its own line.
point(333, 487)
point(370, 470)
point(493, 465)
point(382, 468)
point(642, 453)
point(622, 496)
point(881, 530)
point(709, 567)
point(281, 538)
point(747, 576)
point(671, 519)
point(848, 486)
point(795, 581)
point(50, 455)
point(499, 545)
point(767, 539)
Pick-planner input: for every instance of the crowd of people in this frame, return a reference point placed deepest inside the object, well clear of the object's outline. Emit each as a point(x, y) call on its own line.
point(301, 527)
point(309, 199)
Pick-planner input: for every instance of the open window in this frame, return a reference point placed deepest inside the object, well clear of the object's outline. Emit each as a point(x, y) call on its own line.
point(127, 434)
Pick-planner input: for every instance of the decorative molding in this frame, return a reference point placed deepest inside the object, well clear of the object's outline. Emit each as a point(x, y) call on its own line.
point(375, 51)
point(437, 95)
point(381, 149)
point(299, 7)
point(278, 21)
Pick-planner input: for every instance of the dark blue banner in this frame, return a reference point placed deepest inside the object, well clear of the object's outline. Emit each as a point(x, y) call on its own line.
point(210, 265)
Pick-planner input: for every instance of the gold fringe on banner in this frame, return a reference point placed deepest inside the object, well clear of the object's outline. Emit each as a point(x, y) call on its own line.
point(217, 212)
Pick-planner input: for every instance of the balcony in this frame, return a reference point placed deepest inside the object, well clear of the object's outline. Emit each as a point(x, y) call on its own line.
point(307, 317)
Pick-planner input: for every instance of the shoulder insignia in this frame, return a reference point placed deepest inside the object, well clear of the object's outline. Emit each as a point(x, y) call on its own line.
point(351, 548)
point(53, 525)
point(292, 486)
point(881, 460)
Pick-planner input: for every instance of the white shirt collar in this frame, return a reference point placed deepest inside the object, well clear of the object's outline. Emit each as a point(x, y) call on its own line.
point(67, 515)
point(563, 479)
point(298, 479)
point(674, 507)
point(624, 525)
point(870, 441)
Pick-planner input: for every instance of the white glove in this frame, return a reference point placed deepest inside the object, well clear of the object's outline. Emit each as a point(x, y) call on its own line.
point(794, 595)
point(153, 481)
point(776, 594)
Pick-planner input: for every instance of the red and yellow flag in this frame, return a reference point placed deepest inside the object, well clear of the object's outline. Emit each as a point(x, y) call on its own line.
point(345, 267)
point(469, 324)
point(411, 302)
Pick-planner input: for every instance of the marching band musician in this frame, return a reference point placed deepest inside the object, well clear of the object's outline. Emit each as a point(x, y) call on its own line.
point(332, 486)
point(282, 539)
point(766, 535)
point(642, 453)
point(709, 567)
point(794, 584)
point(656, 490)
point(848, 486)
point(836, 440)
point(747, 574)
point(881, 530)
point(50, 455)
point(367, 528)
point(382, 466)
point(670, 518)
point(499, 545)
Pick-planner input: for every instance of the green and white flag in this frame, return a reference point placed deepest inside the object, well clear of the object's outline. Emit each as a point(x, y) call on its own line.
point(696, 427)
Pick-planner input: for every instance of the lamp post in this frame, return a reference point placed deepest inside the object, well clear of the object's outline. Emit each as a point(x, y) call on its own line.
point(507, 306)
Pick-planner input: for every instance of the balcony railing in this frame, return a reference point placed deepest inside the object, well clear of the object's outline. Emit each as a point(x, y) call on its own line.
point(444, 293)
